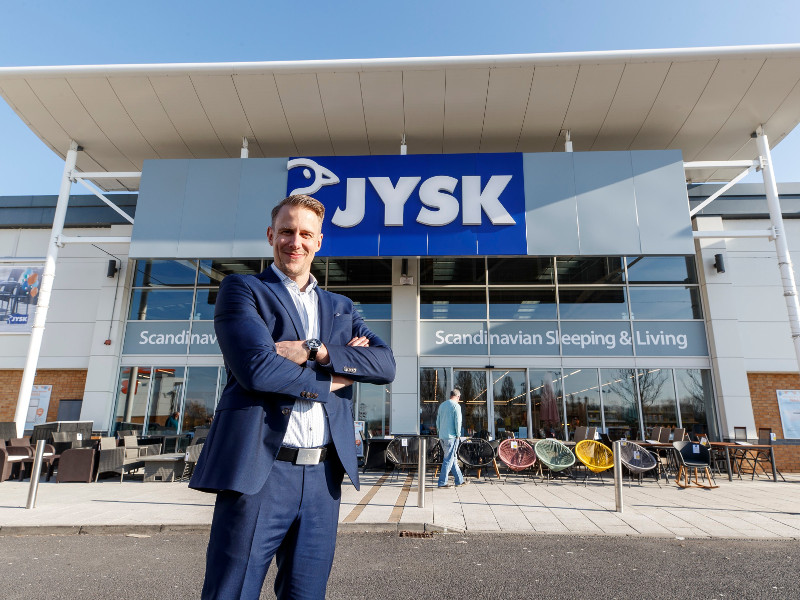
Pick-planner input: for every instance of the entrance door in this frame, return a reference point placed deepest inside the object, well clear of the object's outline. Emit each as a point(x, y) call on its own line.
point(494, 402)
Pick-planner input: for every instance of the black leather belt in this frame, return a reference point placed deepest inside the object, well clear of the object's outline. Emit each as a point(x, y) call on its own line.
point(305, 456)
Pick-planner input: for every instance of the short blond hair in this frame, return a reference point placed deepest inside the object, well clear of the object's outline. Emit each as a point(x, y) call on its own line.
point(302, 201)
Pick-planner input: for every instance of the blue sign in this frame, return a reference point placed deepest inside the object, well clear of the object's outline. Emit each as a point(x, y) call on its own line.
point(457, 204)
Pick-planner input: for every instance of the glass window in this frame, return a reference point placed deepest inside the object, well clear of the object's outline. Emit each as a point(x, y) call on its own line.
point(434, 388)
point(359, 271)
point(371, 304)
point(161, 305)
point(447, 271)
point(578, 270)
point(665, 303)
point(204, 304)
point(547, 397)
point(531, 303)
point(156, 273)
point(372, 408)
point(509, 401)
point(520, 270)
point(452, 304)
point(133, 390)
point(213, 271)
point(165, 401)
point(474, 405)
point(696, 401)
point(657, 391)
point(593, 303)
point(582, 394)
point(201, 397)
point(319, 269)
point(661, 269)
point(621, 409)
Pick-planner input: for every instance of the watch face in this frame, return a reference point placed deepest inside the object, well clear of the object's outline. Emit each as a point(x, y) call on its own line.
point(313, 344)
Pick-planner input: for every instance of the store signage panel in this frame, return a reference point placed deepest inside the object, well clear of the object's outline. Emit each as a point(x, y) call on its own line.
point(596, 338)
point(670, 338)
point(19, 295)
point(435, 204)
point(453, 338)
point(519, 338)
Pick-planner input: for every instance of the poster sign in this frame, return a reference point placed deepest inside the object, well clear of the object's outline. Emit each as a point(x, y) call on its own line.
point(359, 427)
point(789, 407)
point(19, 293)
point(40, 402)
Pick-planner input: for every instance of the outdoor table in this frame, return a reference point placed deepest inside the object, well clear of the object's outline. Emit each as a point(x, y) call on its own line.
point(163, 467)
point(758, 447)
point(725, 447)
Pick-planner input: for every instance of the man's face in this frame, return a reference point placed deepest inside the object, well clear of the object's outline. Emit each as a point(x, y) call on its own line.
point(295, 237)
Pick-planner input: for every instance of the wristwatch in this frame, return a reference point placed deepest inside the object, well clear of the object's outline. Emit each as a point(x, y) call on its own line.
point(313, 346)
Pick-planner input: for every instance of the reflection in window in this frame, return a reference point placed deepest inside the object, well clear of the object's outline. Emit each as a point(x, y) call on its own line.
point(433, 390)
point(212, 272)
point(534, 270)
point(657, 392)
point(474, 405)
point(452, 304)
point(448, 270)
point(161, 305)
point(522, 305)
point(133, 391)
point(359, 271)
point(204, 304)
point(659, 303)
point(201, 397)
point(372, 407)
point(593, 303)
point(547, 403)
point(156, 273)
point(578, 270)
point(621, 408)
point(510, 406)
point(661, 269)
point(371, 304)
point(582, 394)
point(165, 400)
point(696, 402)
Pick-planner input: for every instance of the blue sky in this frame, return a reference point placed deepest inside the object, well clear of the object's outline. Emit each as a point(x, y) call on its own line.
point(54, 32)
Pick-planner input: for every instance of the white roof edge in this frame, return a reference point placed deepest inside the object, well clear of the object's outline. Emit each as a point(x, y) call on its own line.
point(485, 61)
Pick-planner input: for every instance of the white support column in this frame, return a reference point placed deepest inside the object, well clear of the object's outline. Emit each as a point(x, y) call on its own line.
point(781, 246)
point(45, 289)
point(245, 150)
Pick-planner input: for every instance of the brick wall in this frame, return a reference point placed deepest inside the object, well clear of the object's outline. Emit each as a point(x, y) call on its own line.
point(67, 384)
point(765, 411)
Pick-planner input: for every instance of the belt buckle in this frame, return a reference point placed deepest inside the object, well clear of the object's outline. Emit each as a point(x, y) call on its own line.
point(308, 456)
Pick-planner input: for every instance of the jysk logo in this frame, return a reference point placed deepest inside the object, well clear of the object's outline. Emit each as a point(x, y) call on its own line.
point(15, 319)
point(418, 204)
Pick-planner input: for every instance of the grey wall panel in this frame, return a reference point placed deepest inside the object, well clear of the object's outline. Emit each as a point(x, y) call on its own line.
point(661, 202)
point(159, 208)
point(262, 186)
point(607, 221)
point(550, 204)
point(208, 221)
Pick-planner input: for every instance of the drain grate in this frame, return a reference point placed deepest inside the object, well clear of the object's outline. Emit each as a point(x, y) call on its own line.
point(416, 534)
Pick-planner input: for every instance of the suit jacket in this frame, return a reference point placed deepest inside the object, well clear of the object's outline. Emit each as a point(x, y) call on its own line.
point(253, 312)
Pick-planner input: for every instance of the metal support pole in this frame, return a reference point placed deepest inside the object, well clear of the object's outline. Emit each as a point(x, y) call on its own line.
point(421, 472)
point(35, 473)
point(245, 149)
point(45, 289)
point(782, 248)
point(618, 475)
point(403, 147)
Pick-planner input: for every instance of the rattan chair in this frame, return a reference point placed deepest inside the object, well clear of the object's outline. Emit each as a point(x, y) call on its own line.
point(554, 455)
point(693, 456)
point(595, 456)
point(477, 453)
point(637, 460)
point(403, 453)
point(517, 455)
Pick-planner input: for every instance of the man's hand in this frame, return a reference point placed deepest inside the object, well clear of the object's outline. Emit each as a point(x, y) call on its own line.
point(295, 351)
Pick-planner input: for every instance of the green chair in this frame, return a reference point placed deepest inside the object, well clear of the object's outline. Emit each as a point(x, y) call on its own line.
point(554, 455)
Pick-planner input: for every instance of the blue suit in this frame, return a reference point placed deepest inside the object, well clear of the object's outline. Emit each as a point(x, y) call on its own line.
point(238, 459)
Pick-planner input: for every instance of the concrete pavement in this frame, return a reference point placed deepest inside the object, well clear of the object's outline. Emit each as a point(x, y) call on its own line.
point(737, 509)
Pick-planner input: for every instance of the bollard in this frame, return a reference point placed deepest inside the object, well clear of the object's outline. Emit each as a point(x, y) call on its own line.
point(618, 475)
point(421, 473)
point(35, 473)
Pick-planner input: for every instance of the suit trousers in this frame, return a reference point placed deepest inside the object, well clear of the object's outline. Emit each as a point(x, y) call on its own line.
point(293, 518)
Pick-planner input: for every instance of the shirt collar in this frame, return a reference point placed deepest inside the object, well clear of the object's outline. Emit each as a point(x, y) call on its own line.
point(289, 283)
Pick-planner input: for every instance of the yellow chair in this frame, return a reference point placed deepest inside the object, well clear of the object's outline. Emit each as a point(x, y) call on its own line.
point(596, 456)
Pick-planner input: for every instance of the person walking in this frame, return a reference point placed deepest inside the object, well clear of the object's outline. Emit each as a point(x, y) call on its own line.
point(448, 426)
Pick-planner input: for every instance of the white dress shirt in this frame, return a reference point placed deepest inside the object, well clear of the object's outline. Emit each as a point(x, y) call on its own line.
point(308, 423)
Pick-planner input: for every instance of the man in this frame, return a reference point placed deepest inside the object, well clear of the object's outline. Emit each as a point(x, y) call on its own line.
point(282, 436)
point(448, 426)
point(172, 421)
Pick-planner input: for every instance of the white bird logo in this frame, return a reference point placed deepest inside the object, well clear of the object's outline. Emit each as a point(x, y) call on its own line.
point(322, 176)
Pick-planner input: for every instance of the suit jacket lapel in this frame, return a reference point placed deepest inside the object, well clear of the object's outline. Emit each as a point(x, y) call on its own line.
point(275, 285)
point(325, 314)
